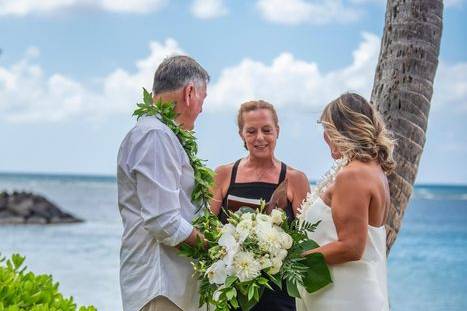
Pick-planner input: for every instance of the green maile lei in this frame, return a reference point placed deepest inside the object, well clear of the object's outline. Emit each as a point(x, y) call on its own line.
point(165, 112)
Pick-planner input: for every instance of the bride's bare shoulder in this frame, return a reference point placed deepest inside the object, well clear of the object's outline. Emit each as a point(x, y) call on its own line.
point(356, 174)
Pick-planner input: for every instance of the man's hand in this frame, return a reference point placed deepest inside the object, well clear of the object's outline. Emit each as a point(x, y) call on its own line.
point(193, 237)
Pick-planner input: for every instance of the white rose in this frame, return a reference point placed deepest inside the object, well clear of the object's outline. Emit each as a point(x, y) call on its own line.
point(265, 262)
point(276, 265)
point(281, 254)
point(247, 216)
point(217, 272)
point(276, 216)
point(263, 218)
point(286, 241)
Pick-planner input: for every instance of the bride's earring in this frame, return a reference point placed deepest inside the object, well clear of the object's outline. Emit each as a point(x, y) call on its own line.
point(335, 154)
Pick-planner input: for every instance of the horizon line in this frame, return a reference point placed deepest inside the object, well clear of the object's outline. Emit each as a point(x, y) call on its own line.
point(109, 176)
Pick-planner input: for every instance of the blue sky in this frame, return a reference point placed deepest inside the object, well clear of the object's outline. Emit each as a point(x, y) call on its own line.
point(72, 70)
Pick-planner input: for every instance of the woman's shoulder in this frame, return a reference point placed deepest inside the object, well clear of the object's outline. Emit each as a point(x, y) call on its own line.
point(224, 170)
point(357, 174)
point(296, 176)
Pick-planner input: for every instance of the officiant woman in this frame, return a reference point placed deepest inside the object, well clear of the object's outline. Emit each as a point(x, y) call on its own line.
point(256, 176)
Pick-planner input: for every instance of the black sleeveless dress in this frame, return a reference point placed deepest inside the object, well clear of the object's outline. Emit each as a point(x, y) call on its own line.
point(276, 300)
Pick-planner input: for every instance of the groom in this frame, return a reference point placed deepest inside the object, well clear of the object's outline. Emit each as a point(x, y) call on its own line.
point(155, 181)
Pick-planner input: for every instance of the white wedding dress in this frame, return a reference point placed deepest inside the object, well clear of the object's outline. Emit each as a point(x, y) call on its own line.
point(358, 285)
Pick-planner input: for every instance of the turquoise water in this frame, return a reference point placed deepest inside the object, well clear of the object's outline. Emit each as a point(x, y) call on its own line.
point(427, 265)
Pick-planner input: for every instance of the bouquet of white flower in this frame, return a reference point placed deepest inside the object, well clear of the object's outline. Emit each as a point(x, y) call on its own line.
point(250, 252)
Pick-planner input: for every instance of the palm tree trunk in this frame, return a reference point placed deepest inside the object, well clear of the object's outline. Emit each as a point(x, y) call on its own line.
point(403, 88)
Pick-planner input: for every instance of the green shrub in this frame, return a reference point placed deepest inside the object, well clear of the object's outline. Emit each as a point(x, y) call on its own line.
point(21, 290)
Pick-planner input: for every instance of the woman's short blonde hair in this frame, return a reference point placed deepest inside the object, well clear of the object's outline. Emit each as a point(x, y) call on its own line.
point(252, 106)
point(358, 131)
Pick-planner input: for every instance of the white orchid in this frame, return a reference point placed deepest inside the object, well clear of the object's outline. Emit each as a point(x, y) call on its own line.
point(228, 241)
point(217, 272)
point(228, 228)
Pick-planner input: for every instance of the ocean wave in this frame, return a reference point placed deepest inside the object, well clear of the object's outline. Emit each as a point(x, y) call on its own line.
point(455, 193)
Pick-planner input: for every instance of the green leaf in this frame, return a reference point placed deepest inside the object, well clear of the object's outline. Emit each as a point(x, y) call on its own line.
point(303, 246)
point(276, 280)
point(231, 293)
point(251, 292)
point(18, 260)
point(245, 303)
point(186, 250)
point(230, 280)
point(292, 289)
point(318, 274)
point(22, 290)
point(165, 112)
point(147, 97)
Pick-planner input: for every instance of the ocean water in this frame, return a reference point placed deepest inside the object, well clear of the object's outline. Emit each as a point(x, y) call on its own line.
point(427, 266)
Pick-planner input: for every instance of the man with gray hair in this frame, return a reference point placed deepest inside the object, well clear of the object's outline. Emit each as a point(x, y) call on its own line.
point(155, 181)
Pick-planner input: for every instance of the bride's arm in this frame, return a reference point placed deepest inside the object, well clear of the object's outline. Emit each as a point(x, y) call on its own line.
point(350, 203)
point(221, 179)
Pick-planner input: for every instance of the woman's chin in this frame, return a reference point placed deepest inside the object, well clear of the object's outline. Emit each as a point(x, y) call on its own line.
point(266, 154)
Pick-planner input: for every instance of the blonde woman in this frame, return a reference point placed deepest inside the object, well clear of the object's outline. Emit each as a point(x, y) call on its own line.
point(353, 209)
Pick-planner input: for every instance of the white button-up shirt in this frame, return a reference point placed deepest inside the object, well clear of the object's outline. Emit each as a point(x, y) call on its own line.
point(155, 182)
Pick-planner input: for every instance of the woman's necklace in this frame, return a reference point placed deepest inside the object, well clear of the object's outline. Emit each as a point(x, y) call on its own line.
point(260, 173)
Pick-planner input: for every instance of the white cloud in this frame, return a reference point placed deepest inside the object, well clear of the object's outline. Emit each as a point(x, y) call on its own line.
point(450, 84)
point(26, 7)
point(28, 95)
point(294, 12)
point(208, 9)
point(453, 3)
point(447, 3)
point(295, 83)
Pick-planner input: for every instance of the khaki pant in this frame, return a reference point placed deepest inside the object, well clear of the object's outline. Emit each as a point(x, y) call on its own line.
point(161, 303)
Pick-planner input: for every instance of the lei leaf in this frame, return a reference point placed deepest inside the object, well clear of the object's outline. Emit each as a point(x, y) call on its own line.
point(165, 112)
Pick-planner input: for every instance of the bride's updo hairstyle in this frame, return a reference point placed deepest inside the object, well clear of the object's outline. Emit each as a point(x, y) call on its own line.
point(357, 130)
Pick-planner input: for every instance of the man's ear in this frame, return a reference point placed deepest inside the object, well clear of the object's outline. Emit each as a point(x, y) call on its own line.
point(188, 91)
point(278, 131)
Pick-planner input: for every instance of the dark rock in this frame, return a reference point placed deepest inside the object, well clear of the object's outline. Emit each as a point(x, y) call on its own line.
point(24, 207)
point(10, 218)
point(21, 205)
point(36, 220)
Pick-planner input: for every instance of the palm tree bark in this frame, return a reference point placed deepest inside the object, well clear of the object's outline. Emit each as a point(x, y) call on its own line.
point(403, 88)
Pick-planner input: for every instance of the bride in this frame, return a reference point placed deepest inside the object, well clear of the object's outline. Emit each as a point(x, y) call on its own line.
point(353, 208)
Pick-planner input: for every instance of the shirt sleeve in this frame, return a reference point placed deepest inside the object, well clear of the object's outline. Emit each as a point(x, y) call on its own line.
point(157, 170)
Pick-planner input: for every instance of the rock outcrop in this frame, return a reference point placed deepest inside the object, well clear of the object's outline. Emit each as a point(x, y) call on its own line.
point(29, 208)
